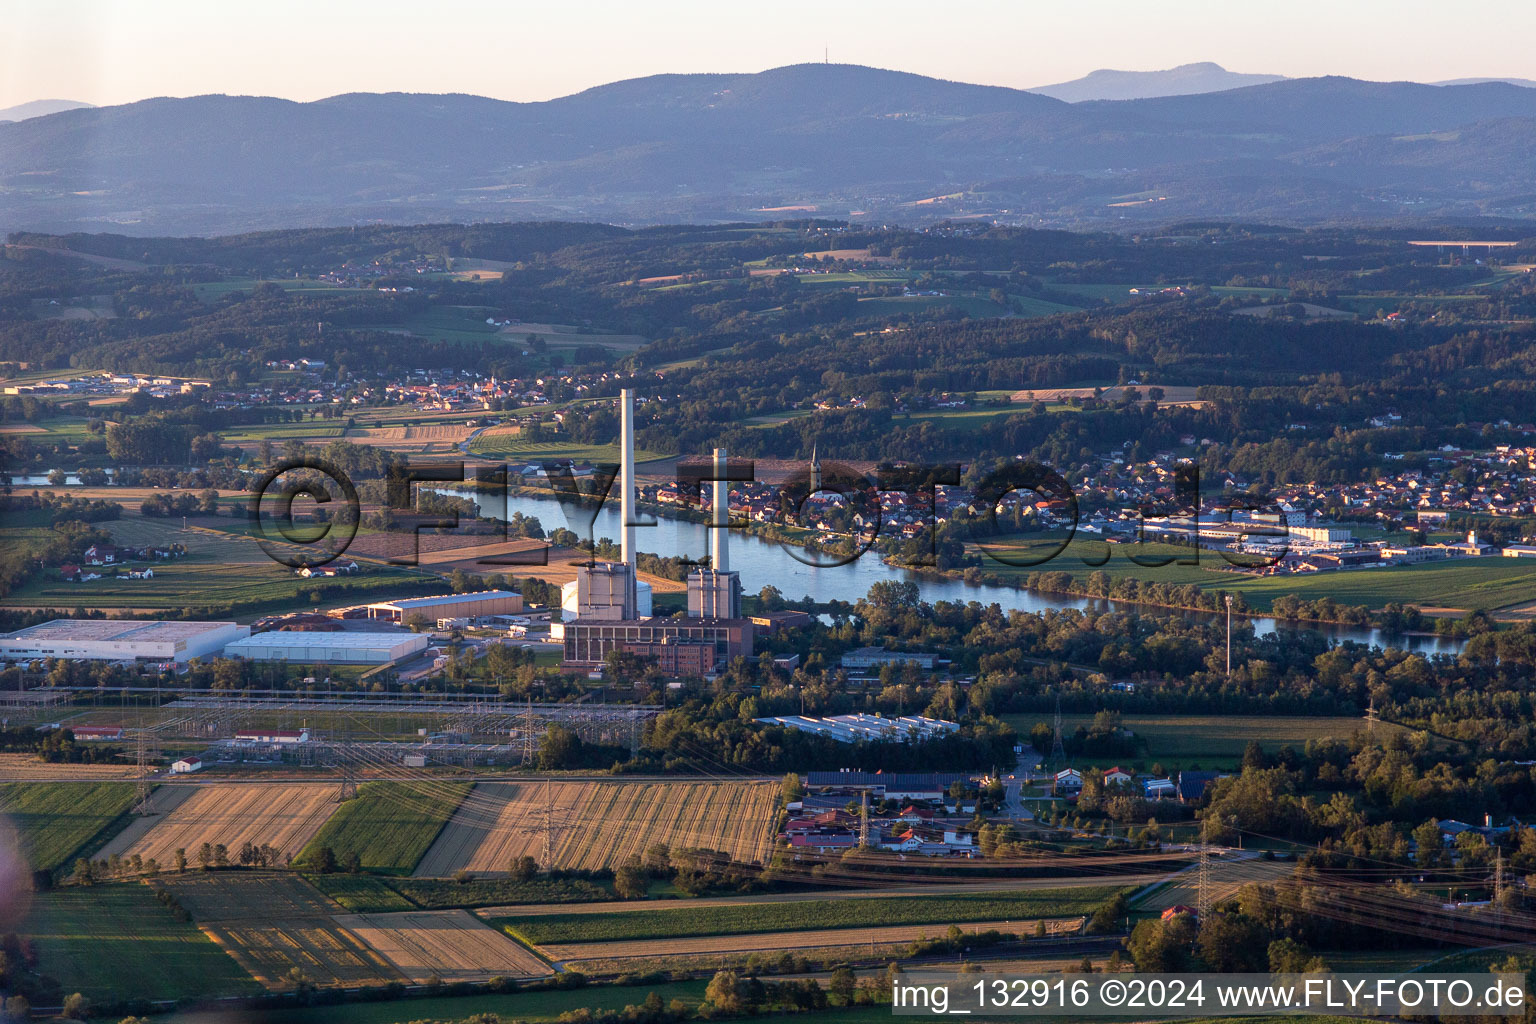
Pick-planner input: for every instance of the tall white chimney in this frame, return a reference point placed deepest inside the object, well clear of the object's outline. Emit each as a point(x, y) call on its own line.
point(719, 557)
point(627, 474)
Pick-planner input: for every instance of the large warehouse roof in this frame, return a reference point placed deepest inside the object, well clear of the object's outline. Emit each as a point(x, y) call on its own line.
point(139, 631)
point(119, 640)
point(327, 638)
point(412, 603)
point(317, 646)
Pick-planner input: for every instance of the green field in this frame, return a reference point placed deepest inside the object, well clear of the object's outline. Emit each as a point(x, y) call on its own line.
point(757, 918)
point(308, 430)
point(449, 323)
point(212, 291)
point(1459, 583)
point(189, 582)
point(896, 305)
point(1210, 740)
point(361, 894)
point(370, 894)
point(57, 820)
point(390, 825)
point(509, 446)
point(117, 941)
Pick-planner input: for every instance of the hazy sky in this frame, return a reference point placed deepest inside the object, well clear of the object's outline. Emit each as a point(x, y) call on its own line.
point(115, 51)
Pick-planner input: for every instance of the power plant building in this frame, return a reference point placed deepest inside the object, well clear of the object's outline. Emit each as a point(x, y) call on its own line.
point(606, 609)
point(607, 591)
point(588, 644)
point(714, 595)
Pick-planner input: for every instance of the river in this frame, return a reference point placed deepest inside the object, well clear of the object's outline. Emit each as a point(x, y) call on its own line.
point(762, 562)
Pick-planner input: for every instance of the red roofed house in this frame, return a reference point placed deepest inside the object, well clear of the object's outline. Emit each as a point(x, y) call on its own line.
point(97, 732)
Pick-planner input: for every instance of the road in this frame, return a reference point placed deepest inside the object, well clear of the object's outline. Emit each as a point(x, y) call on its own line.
point(1013, 801)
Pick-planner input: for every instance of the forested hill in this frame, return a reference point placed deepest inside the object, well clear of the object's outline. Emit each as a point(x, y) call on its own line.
point(813, 139)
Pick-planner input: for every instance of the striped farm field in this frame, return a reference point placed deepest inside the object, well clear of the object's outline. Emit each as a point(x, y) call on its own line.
point(271, 923)
point(602, 824)
point(452, 945)
point(283, 815)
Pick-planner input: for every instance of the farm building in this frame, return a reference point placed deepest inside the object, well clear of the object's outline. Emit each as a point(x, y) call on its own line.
point(119, 640)
point(308, 647)
point(97, 733)
point(473, 606)
point(186, 766)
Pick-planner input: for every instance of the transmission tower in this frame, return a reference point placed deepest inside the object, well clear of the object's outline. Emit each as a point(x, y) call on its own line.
point(1203, 898)
point(1371, 718)
point(1058, 751)
point(348, 779)
point(141, 759)
point(864, 820)
point(528, 733)
point(549, 826)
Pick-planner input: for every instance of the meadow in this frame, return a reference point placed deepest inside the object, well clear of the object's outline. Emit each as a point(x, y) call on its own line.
point(390, 825)
point(117, 941)
point(806, 915)
point(57, 822)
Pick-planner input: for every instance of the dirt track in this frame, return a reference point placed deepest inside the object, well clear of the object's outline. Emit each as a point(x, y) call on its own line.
point(449, 944)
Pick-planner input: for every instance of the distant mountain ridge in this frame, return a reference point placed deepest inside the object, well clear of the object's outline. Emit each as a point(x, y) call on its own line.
point(823, 140)
point(39, 108)
point(1186, 79)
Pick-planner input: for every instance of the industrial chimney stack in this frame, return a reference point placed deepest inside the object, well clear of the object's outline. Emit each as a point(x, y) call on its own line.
point(627, 475)
point(719, 555)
